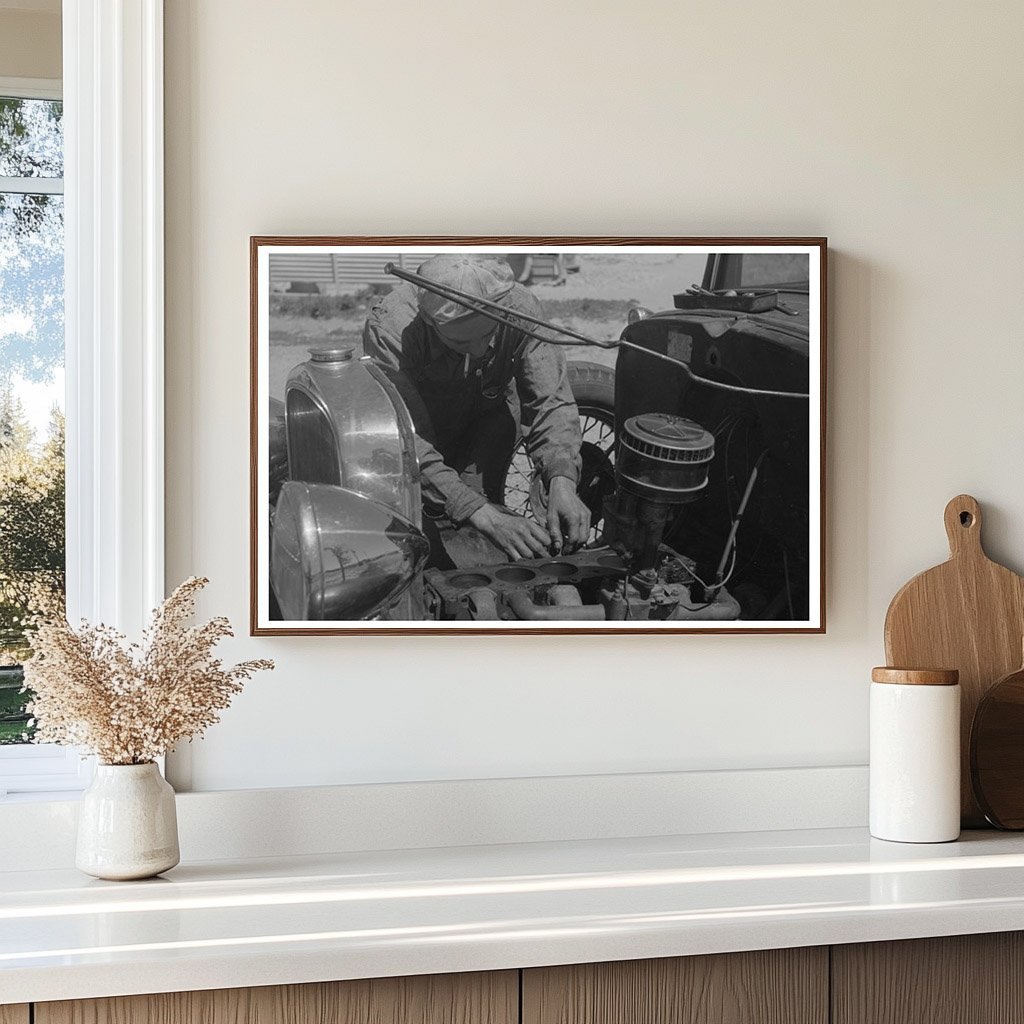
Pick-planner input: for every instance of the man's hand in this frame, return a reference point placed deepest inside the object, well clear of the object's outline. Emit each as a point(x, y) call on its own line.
point(516, 536)
point(568, 517)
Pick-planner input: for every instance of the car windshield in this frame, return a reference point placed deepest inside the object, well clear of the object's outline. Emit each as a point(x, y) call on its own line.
point(784, 271)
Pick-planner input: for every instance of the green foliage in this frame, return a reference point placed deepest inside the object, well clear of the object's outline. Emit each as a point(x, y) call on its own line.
point(31, 525)
point(31, 548)
point(31, 474)
point(14, 719)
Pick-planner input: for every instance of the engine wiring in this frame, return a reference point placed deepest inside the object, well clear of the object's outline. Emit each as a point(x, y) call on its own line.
point(718, 587)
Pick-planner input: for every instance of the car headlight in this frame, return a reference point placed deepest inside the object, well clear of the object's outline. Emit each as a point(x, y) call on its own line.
point(337, 555)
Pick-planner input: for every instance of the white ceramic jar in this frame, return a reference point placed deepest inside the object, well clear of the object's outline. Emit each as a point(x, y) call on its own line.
point(915, 755)
point(127, 823)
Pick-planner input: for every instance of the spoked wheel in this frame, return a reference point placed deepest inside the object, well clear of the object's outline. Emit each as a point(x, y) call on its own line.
point(593, 387)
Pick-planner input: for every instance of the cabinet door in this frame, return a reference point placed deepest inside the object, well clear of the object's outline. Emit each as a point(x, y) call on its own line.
point(14, 1014)
point(963, 979)
point(779, 986)
point(491, 998)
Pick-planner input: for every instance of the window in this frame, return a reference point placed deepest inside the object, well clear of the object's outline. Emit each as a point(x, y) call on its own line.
point(31, 382)
point(32, 534)
point(113, 333)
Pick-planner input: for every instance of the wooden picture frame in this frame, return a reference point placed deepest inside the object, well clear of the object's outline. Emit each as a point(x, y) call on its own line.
point(355, 530)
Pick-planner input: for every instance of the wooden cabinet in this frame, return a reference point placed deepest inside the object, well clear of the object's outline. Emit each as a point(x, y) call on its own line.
point(778, 986)
point(491, 998)
point(972, 979)
point(963, 979)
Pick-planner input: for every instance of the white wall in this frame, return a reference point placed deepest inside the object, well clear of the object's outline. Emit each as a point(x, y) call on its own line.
point(894, 129)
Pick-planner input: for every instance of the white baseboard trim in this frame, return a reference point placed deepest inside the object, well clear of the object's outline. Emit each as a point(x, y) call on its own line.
point(240, 824)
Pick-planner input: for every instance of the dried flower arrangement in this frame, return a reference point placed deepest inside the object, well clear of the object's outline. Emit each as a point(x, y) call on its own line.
point(130, 703)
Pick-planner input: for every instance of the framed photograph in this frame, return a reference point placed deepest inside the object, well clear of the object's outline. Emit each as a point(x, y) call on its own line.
point(537, 435)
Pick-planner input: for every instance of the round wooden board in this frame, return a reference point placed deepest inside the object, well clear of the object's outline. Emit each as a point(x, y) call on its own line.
point(997, 752)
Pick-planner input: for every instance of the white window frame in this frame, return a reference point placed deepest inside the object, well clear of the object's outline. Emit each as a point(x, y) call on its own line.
point(114, 326)
point(32, 88)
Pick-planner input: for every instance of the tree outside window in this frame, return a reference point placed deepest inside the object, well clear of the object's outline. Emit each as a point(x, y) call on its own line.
point(31, 386)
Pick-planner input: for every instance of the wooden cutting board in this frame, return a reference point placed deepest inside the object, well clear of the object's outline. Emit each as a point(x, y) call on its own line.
point(967, 614)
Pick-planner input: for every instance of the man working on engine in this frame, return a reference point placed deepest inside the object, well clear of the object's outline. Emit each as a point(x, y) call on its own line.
point(471, 386)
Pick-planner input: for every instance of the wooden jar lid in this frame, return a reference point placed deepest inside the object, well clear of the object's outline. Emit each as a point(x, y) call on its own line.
point(916, 676)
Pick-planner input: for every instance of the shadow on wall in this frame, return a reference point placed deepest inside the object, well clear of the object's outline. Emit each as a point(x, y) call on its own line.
point(850, 419)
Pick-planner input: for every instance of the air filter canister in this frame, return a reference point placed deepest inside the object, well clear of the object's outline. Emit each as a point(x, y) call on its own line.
point(664, 458)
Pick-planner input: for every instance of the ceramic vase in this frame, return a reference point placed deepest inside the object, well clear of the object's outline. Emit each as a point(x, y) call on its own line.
point(127, 825)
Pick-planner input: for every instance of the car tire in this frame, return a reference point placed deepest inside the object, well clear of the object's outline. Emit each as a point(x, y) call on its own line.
point(593, 388)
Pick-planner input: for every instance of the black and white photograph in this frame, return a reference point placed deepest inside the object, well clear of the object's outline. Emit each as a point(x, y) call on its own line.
point(537, 435)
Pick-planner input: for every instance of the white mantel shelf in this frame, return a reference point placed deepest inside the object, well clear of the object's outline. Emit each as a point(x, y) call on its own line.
point(225, 924)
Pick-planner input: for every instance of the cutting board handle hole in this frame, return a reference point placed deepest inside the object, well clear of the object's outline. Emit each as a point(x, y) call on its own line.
point(966, 518)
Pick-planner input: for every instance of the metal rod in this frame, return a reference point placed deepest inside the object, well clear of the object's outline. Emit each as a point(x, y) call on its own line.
point(731, 539)
point(475, 302)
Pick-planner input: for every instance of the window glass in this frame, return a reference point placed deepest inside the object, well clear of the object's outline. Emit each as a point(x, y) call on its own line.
point(31, 386)
point(31, 138)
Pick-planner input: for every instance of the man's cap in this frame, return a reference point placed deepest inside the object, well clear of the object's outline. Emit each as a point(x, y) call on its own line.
point(484, 277)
